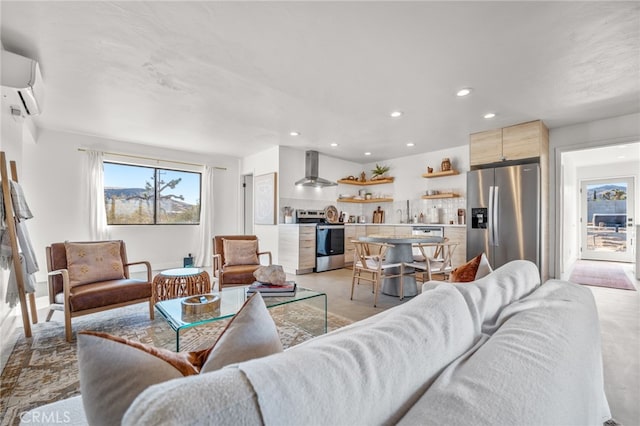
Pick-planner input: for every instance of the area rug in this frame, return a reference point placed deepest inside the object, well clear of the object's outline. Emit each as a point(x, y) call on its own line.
point(600, 274)
point(43, 368)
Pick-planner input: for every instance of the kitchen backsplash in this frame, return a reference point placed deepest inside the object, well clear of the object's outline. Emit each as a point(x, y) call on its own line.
point(395, 212)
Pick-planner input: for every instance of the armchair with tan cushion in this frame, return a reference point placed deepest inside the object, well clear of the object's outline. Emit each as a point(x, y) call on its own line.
point(88, 277)
point(235, 258)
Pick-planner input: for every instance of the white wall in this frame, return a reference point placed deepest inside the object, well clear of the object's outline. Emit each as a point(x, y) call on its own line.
point(292, 168)
point(410, 185)
point(52, 181)
point(593, 134)
point(11, 142)
point(258, 164)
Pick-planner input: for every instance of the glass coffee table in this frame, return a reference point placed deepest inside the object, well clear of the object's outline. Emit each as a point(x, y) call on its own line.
point(231, 300)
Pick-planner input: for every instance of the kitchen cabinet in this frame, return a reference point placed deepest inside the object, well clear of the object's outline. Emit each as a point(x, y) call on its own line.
point(352, 232)
point(297, 248)
point(457, 234)
point(525, 140)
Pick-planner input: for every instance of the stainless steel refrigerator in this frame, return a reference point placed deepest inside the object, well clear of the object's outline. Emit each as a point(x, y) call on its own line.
point(503, 208)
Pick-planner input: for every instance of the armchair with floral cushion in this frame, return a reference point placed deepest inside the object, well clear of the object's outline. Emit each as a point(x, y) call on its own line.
point(93, 276)
point(235, 258)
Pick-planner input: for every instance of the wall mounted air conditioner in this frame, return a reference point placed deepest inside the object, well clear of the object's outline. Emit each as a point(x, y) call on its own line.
point(22, 82)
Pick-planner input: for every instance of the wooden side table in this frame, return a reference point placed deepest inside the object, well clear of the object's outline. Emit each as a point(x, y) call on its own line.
point(180, 282)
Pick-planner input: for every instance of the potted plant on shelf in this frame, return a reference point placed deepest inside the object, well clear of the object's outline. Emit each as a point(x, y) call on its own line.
point(380, 172)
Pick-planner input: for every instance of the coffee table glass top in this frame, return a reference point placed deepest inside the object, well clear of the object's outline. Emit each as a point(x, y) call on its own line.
point(231, 300)
point(181, 272)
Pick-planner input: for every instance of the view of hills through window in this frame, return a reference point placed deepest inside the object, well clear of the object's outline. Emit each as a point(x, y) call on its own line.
point(135, 195)
point(607, 217)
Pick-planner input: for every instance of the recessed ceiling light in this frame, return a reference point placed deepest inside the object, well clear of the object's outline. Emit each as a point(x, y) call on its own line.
point(367, 153)
point(464, 92)
point(396, 114)
point(294, 133)
point(411, 144)
point(489, 115)
point(622, 157)
point(334, 144)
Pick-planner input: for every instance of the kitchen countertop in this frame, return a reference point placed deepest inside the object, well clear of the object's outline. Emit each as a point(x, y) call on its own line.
point(408, 224)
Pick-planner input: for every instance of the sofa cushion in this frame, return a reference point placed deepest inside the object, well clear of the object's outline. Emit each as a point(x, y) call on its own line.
point(113, 370)
point(240, 252)
point(476, 268)
point(385, 363)
point(92, 262)
point(541, 367)
point(223, 397)
point(487, 296)
point(68, 411)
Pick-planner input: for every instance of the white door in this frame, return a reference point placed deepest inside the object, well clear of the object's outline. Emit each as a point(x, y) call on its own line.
point(606, 219)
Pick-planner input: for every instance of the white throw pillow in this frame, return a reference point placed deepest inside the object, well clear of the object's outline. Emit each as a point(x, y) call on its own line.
point(250, 334)
point(484, 268)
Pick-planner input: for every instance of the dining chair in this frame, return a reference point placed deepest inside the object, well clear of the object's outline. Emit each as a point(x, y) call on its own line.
point(369, 264)
point(434, 259)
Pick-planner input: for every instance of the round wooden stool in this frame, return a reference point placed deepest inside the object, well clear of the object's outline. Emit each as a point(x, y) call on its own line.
point(180, 282)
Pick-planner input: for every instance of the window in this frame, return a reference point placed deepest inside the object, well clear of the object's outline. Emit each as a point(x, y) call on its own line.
point(135, 195)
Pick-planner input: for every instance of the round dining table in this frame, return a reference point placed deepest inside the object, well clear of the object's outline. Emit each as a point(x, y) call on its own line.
point(401, 251)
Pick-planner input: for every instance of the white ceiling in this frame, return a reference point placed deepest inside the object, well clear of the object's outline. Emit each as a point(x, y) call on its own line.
point(236, 77)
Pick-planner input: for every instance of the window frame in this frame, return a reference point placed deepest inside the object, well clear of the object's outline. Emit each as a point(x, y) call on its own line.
point(156, 198)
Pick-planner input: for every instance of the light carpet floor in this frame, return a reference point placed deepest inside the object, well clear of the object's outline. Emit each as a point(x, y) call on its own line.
point(43, 368)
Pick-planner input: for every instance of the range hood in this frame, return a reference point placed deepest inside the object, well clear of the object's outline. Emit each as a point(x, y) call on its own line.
point(311, 172)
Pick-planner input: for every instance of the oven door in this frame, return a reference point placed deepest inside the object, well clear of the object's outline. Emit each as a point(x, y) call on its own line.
point(329, 240)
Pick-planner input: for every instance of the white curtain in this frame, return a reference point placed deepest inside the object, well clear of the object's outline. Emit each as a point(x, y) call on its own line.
point(94, 196)
point(205, 250)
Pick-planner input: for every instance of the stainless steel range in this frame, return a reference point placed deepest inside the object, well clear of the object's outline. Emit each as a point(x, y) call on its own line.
point(329, 239)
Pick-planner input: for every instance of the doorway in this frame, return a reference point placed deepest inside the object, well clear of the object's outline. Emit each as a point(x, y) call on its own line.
point(606, 219)
point(247, 205)
point(580, 171)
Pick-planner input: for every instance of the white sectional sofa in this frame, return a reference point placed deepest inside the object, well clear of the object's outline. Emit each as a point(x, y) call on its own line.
point(503, 350)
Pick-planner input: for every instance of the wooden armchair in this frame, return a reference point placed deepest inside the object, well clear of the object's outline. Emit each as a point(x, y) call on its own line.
point(235, 258)
point(94, 278)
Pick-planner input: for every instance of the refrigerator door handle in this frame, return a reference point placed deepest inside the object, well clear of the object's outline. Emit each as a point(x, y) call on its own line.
point(495, 220)
point(490, 216)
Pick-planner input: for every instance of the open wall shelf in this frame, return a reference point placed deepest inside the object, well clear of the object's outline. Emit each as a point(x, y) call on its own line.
point(367, 182)
point(440, 174)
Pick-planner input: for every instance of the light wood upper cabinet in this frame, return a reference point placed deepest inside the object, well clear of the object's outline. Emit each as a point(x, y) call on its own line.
point(526, 140)
point(485, 147)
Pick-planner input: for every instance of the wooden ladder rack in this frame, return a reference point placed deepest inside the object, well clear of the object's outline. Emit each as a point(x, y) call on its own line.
point(15, 253)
